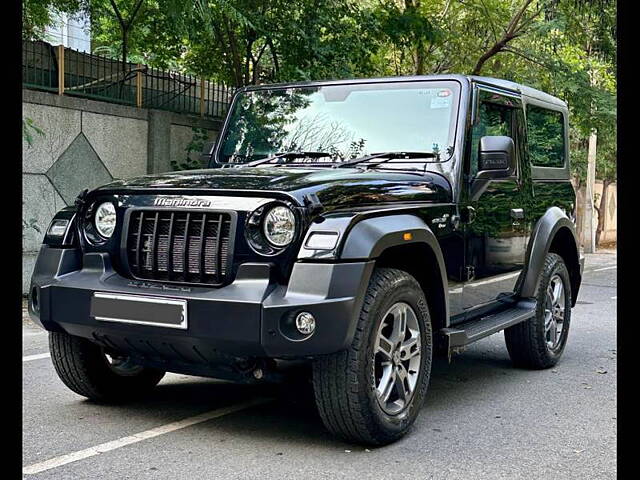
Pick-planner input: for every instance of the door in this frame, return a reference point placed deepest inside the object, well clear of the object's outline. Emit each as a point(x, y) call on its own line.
point(495, 228)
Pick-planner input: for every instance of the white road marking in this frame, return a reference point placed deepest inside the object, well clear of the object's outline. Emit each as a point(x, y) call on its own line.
point(605, 268)
point(138, 437)
point(38, 356)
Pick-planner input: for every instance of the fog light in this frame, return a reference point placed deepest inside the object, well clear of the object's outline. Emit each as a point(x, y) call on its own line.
point(305, 323)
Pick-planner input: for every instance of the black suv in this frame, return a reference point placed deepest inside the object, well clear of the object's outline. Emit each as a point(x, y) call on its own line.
point(359, 226)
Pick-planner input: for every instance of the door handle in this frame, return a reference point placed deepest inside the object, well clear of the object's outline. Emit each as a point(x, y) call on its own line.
point(517, 213)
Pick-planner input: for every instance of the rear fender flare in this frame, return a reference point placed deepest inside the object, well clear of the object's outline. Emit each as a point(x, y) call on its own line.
point(541, 239)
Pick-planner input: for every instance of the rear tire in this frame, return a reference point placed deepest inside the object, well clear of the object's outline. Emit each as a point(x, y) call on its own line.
point(372, 392)
point(539, 342)
point(84, 367)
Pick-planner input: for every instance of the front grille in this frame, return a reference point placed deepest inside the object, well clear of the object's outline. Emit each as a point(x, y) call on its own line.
point(185, 247)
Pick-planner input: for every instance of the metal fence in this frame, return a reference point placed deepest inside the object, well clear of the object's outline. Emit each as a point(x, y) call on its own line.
point(69, 72)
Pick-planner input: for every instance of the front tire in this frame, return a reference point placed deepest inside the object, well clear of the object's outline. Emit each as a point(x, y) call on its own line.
point(539, 342)
point(372, 392)
point(84, 367)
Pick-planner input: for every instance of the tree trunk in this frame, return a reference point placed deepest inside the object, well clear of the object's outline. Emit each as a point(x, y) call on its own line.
point(513, 30)
point(125, 47)
point(494, 50)
point(420, 59)
point(125, 44)
point(602, 210)
point(419, 50)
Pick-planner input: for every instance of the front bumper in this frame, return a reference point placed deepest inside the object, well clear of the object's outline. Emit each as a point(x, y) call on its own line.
point(244, 319)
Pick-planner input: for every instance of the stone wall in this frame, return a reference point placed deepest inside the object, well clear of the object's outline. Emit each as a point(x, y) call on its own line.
point(88, 143)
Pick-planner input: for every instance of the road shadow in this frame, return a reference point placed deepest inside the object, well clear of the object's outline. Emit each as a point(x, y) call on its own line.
point(291, 415)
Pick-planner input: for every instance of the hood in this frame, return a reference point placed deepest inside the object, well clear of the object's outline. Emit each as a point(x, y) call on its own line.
point(333, 186)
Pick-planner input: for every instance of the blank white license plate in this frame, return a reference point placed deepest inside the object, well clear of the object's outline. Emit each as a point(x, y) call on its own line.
point(140, 310)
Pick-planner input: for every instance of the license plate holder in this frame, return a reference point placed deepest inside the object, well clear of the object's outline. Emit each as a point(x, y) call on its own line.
point(139, 310)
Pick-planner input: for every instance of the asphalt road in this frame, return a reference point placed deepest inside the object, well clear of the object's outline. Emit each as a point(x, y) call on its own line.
point(482, 418)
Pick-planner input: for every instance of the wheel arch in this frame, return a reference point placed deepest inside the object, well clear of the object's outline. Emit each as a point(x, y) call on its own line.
point(405, 242)
point(553, 233)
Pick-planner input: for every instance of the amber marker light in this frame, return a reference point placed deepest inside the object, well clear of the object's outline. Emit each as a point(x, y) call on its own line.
point(407, 236)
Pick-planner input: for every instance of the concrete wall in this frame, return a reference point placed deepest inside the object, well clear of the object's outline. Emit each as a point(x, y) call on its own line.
point(86, 144)
point(610, 232)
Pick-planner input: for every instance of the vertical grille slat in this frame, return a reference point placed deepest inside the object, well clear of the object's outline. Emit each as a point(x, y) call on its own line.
point(185, 249)
point(154, 245)
point(218, 247)
point(139, 243)
point(170, 248)
point(201, 246)
point(179, 246)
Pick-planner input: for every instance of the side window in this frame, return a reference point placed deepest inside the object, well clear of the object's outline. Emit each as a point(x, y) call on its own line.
point(493, 119)
point(545, 136)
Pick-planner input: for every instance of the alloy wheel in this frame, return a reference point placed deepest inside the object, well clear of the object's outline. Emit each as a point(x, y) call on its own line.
point(554, 311)
point(397, 358)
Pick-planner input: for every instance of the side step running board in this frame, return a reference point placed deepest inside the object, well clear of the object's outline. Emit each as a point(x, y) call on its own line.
point(465, 333)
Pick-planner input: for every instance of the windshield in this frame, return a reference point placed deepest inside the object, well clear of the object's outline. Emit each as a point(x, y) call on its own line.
point(343, 121)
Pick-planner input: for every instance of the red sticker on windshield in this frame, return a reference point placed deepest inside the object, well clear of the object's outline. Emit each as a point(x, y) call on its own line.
point(444, 93)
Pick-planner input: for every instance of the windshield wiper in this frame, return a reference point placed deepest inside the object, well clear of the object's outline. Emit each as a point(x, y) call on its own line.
point(285, 157)
point(387, 156)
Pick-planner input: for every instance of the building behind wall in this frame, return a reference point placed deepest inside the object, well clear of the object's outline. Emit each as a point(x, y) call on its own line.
point(72, 31)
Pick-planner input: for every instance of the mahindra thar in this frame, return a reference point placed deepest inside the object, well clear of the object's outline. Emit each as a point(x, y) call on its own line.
point(359, 227)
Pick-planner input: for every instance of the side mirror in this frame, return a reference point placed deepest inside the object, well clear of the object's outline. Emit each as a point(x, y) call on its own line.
point(496, 157)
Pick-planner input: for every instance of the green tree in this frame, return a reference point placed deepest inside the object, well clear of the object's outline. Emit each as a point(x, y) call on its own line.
point(408, 27)
point(242, 42)
point(247, 42)
point(606, 170)
point(564, 47)
point(142, 30)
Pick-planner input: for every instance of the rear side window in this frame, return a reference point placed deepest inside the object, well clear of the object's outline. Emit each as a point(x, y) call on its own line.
point(545, 136)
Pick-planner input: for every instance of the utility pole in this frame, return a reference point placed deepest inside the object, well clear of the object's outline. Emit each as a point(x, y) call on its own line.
point(589, 222)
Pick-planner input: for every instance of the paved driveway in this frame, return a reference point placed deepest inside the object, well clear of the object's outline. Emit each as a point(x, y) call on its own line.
point(482, 418)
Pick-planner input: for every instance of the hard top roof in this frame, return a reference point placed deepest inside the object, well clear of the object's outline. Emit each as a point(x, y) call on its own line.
point(496, 82)
point(517, 87)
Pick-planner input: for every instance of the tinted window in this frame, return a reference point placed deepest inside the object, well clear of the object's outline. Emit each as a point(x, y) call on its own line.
point(493, 119)
point(545, 136)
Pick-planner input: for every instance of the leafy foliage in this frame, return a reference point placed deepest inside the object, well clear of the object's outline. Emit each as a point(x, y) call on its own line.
point(192, 160)
point(29, 128)
point(564, 47)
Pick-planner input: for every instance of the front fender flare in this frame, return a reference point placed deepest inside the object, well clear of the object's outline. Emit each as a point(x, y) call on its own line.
point(369, 238)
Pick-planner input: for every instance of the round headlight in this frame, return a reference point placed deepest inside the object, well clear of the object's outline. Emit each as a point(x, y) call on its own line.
point(279, 226)
point(105, 219)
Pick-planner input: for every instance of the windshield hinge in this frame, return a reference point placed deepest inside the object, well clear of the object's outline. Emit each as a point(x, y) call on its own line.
point(79, 201)
point(313, 204)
